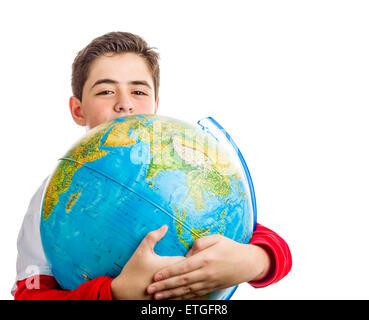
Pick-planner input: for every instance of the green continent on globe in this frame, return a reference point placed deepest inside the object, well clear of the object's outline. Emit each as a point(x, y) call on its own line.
point(205, 170)
point(87, 150)
point(118, 135)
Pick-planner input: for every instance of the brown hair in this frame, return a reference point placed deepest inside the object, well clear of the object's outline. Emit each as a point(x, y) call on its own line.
point(113, 42)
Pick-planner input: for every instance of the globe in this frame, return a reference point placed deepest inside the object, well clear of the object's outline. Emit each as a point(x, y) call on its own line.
point(130, 176)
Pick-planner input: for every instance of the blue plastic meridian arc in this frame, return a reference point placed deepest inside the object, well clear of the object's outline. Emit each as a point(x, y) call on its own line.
point(242, 160)
point(230, 294)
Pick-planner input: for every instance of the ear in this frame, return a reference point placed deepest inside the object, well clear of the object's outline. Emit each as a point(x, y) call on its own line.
point(76, 111)
point(156, 105)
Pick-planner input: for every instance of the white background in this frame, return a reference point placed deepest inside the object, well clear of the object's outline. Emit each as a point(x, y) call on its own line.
point(288, 79)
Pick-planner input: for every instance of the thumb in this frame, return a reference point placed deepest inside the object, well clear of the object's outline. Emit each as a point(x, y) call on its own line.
point(152, 238)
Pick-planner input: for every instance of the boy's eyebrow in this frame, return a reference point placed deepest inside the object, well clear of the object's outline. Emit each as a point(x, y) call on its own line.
point(111, 81)
point(141, 82)
point(104, 81)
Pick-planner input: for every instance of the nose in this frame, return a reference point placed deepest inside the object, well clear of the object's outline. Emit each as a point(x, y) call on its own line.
point(124, 105)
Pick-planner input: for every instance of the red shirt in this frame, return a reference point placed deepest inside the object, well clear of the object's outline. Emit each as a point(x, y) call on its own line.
point(99, 288)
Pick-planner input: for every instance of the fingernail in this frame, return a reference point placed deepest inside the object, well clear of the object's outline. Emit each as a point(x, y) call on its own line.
point(152, 290)
point(158, 277)
point(159, 296)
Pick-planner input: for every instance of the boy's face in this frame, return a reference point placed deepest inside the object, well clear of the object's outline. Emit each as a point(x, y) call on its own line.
point(117, 85)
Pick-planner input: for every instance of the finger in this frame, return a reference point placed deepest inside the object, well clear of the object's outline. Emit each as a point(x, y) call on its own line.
point(192, 297)
point(196, 290)
point(153, 237)
point(202, 294)
point(182, 267)
point(187, 297)
point(190, 289)
point(180, 281)
point(203, 243)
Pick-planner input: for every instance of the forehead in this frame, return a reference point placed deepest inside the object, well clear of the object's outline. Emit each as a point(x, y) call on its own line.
point(121, 67)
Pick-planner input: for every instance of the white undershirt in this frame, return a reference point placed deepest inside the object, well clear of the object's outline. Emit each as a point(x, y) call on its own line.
point(31, 258)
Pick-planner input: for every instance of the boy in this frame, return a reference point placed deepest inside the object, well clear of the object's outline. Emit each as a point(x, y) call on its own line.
point(116, 75)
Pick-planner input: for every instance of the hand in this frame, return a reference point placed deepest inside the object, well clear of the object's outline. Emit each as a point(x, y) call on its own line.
point(213, 263)
point(139, 271)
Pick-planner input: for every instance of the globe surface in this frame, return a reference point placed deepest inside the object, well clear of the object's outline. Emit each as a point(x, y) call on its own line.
point(130, 176)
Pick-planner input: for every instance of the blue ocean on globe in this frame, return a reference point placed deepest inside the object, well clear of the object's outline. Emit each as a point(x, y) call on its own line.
point(130, 176)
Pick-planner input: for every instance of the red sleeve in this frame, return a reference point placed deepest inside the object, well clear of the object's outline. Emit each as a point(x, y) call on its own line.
point(49, 289)
point(279, 252)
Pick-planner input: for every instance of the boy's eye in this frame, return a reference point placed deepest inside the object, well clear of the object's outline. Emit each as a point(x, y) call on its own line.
point(139, 93)
point(105, 92)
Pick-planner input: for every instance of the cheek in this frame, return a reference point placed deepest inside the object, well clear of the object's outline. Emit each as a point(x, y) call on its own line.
point(100, 114)
point(146, 107)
